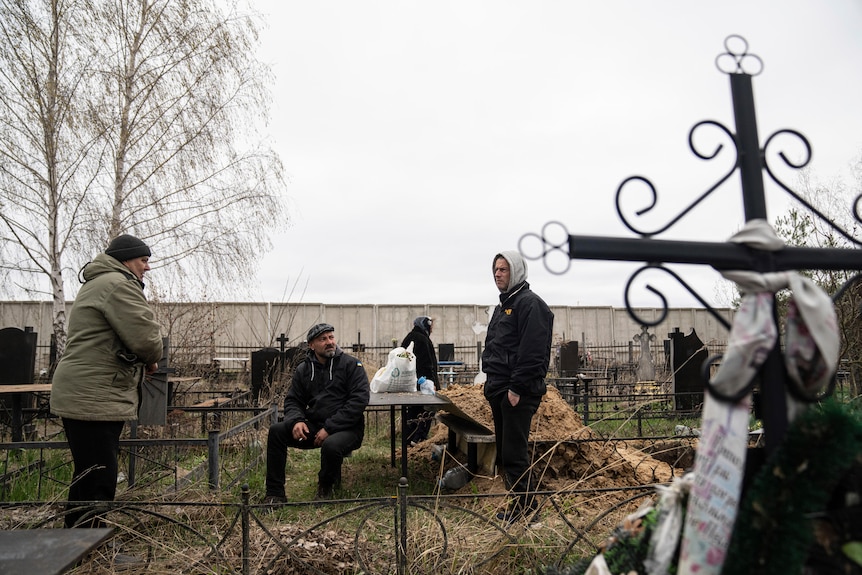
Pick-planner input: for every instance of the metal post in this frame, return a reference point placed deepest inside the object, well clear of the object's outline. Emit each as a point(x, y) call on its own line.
point(401, 524)
point(403, 440)
point(586, 400)
point(246, 548)
point(212, 458)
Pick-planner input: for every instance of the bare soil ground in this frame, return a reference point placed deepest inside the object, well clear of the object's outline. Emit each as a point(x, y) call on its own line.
point(555, 434)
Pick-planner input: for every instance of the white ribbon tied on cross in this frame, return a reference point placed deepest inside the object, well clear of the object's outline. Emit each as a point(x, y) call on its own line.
point(811, 358)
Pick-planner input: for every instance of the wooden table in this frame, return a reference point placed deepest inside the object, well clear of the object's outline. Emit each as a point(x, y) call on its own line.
point(46, 551)
point(16, 391)
point(403, 399)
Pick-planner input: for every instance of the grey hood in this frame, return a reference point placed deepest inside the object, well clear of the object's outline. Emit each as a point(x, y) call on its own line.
point(517, 268)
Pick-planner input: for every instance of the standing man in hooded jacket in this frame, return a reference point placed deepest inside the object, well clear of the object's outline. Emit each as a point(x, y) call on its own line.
point(418, 421)
point(515, 359)
point(113, 340)
point(324, 408)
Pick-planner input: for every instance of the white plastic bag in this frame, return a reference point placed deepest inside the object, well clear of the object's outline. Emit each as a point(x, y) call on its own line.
point(399, 373)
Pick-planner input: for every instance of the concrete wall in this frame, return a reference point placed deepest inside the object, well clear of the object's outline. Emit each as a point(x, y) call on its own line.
point(260, 324)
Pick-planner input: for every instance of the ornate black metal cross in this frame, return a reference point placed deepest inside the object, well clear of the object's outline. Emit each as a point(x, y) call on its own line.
point(751, 160)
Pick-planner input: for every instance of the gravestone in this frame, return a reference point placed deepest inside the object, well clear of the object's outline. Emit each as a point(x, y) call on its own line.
point(293, 356)
point(17, 355)
point(687, 356)
point(446, 352)
point(570, 361)
point(646, 366)
point(265, 363)
point(17, 366)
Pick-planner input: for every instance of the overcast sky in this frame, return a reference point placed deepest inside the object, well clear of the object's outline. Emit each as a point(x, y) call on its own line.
point(421, 138)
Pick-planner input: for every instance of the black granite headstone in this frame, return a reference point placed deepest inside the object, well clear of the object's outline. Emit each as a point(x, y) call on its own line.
point(264, 365)
point(446, 352)
point(17, 355)
point(17, 366)
point(687, 356)
point(570, 362)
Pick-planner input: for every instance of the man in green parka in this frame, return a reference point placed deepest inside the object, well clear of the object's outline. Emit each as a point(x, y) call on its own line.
point(114, 340)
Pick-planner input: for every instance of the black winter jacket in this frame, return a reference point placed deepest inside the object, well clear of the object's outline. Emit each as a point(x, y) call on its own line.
point(518, 344)
point(333, 396)
point(426, 357)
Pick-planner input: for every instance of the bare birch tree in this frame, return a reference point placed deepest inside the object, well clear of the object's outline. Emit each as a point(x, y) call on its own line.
point(181, 88)
point(163, 131)
point(47, 167)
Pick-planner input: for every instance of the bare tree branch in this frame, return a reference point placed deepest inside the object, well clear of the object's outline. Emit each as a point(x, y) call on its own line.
point(133, 116)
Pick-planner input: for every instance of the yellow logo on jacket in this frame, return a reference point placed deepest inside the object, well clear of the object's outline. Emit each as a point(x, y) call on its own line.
point(507, 311)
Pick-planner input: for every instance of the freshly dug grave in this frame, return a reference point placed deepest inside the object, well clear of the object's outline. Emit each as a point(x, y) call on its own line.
point(567, 454)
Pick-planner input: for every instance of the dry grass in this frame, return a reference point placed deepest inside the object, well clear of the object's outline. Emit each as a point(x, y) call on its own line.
point(195, 530)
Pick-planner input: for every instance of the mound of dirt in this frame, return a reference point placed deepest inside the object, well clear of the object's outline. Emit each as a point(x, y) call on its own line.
point(555, 419)
point(566, 453)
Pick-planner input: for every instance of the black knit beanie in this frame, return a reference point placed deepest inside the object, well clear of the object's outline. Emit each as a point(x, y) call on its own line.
point(126, 247)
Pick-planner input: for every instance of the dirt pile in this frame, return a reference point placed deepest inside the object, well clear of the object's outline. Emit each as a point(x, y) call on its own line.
point(566, 453)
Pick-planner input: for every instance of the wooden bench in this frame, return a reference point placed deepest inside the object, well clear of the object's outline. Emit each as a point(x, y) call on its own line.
point(471, 432)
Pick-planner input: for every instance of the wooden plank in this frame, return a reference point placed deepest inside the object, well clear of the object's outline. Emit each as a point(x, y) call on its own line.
point(471, 431)
point(48, 551)
point(214, 402)
point(172, 379)
point(24, 387)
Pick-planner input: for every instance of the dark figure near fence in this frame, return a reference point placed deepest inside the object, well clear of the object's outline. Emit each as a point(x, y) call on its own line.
point(418, 420)
point(516, 358)
point(113, 340)
point(324, 408)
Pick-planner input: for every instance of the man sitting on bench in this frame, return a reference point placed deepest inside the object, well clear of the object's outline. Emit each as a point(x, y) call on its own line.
point(324, 408)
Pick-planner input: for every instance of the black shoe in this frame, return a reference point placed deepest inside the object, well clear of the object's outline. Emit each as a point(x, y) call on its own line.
point(324, 492)
point(274, 500)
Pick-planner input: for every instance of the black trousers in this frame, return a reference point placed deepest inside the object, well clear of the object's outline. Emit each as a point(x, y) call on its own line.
point(512, 435)
point(332, 453)
point(95, 447)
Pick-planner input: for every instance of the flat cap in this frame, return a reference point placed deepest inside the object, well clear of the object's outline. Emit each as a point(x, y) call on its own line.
point(318, 329)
